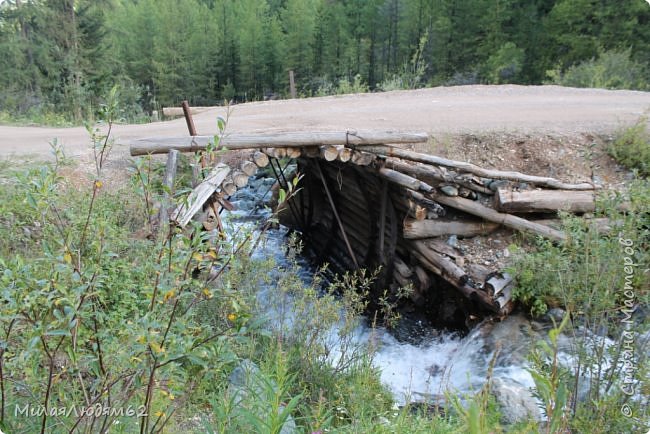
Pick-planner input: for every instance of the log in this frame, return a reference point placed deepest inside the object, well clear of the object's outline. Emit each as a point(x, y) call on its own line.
point(310, 152)
point(544, 201)
point(414, 229)
point(161, 145)
point(401, 280)
point(228, 186)
point(445, 268)
point(429, 174)
point(476, 170)
point(404, 180)
point(293, 152)
point(249, 168)
point(175, 112)
point(496, 283)
point(477, 272)
point(441, 247)
point(329, 152)
point(240, 179)
point(504, 299)
point(402, 268)
point(199, 195)
point(280, 152)
point(422, 279)
point(270, 152)
point(260, 159)
point(345, 154)
point(427, 203)
point(448, 269)
point(361, 158)
point(514, 222)
point(210, 218)
point(434, 175)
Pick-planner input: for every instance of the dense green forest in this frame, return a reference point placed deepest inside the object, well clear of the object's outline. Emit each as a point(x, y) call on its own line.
point(60, 56)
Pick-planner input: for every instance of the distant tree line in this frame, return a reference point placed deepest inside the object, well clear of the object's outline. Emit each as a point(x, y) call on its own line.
point(62, 55)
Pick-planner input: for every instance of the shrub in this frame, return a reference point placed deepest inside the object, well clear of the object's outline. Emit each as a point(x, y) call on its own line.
point(631, 147)
point(611, 70)
point(412, 72)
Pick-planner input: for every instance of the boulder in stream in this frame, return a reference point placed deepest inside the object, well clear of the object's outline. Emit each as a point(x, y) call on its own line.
point(516, 401)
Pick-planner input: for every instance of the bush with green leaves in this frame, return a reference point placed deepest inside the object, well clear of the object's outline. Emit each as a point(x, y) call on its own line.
point(613, 69)
point(631, 147)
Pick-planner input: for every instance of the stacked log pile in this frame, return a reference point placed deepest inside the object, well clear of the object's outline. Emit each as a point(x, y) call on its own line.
point(369, 202)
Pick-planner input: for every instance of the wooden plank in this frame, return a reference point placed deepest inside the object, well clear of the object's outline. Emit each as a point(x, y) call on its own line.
point(544, 201)
point(199, 195)
point(161, 145)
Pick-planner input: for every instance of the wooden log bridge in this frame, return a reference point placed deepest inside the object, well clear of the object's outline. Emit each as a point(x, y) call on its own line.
point(367, 201)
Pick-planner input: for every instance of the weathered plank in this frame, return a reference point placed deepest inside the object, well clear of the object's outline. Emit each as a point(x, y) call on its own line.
point(199, 195)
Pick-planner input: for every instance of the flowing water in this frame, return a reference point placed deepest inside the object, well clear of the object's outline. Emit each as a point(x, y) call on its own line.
point(428, 364)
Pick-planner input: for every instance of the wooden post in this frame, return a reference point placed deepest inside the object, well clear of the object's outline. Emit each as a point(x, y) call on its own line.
point(188, 119)
point(196, 173)
point(292, 84)
point(168, 182)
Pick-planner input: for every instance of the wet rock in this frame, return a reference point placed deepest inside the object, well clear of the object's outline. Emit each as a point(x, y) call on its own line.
point(449, 190)
point(249, 389)
point(513, 338)
point(516, 401)
point(555, 314)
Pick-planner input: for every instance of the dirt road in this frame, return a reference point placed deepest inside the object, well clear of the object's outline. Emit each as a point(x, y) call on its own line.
point(534, 110)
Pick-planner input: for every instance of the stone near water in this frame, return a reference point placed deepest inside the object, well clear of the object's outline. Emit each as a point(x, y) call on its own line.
point(516, 401)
